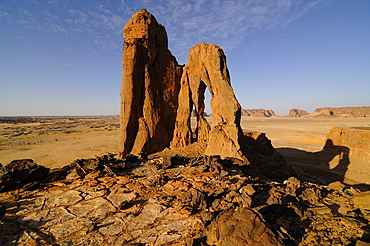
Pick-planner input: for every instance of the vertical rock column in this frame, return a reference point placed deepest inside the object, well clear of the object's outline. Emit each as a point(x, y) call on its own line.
point(150, 87)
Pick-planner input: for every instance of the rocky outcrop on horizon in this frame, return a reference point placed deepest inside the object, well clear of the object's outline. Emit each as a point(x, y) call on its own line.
point(347, 112)
point(258, 112)
point(296, 113)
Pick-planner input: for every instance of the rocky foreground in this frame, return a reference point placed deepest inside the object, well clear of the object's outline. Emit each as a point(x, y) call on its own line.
point(173, 200)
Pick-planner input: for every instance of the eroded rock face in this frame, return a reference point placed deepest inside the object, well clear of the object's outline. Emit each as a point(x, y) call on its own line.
point(150, 86)
point(353, 153)
point(206, 68)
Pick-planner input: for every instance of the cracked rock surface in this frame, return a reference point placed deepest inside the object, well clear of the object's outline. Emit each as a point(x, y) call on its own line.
point(186, 201)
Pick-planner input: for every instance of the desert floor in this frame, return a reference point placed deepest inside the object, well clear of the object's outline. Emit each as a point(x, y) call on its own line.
point(58, 141)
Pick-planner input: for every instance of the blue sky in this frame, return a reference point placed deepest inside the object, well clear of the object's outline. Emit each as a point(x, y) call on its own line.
point(60, 57)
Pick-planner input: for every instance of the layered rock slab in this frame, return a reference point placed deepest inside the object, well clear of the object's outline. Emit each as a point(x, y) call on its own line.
point(150, 85)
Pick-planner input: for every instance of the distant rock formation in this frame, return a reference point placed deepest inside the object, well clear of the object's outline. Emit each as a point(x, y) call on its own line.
point(150, 86)
point(353, 148)
point(258, 112)
point(294, 112)
point(348, 112)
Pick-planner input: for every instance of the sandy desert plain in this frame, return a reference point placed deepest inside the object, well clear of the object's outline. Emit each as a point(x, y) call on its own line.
point(56, 141)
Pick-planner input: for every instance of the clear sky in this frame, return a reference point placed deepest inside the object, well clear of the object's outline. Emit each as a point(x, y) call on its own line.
point(60, 57)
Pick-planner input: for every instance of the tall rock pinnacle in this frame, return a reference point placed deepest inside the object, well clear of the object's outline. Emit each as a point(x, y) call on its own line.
point(150, 86)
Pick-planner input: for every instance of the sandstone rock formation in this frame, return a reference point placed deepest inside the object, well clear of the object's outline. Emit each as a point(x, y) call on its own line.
point(151, 98)
point(150, 85)
point(206, 68)
point(258, 112)
point(193, 201)
point(294, 112)
point(353, 148)
point(344, 112)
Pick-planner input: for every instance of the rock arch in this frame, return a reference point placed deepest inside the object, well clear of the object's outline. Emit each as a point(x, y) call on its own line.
point(207, 67)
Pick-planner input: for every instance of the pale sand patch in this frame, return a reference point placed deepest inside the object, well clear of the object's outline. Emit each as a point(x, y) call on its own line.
point(55, 154)
point(58, 142)
point(303, 140)
point(78, 139)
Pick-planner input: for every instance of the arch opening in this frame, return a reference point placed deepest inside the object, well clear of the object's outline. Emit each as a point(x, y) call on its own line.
point(200, 124)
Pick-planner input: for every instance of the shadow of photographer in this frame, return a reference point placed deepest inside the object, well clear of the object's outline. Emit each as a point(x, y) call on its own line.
point(322, 167)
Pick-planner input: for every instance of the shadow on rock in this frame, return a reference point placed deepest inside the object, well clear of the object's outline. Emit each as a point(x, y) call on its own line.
point(18, 226)
point(318, 166)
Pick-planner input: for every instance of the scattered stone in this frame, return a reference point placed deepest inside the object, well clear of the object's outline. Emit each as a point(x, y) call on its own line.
point(337, 185)
point(311, 195)
point(248, 189)
point(292, 184)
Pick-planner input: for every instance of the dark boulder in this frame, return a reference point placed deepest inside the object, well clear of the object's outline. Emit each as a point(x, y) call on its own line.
point(19, 173)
